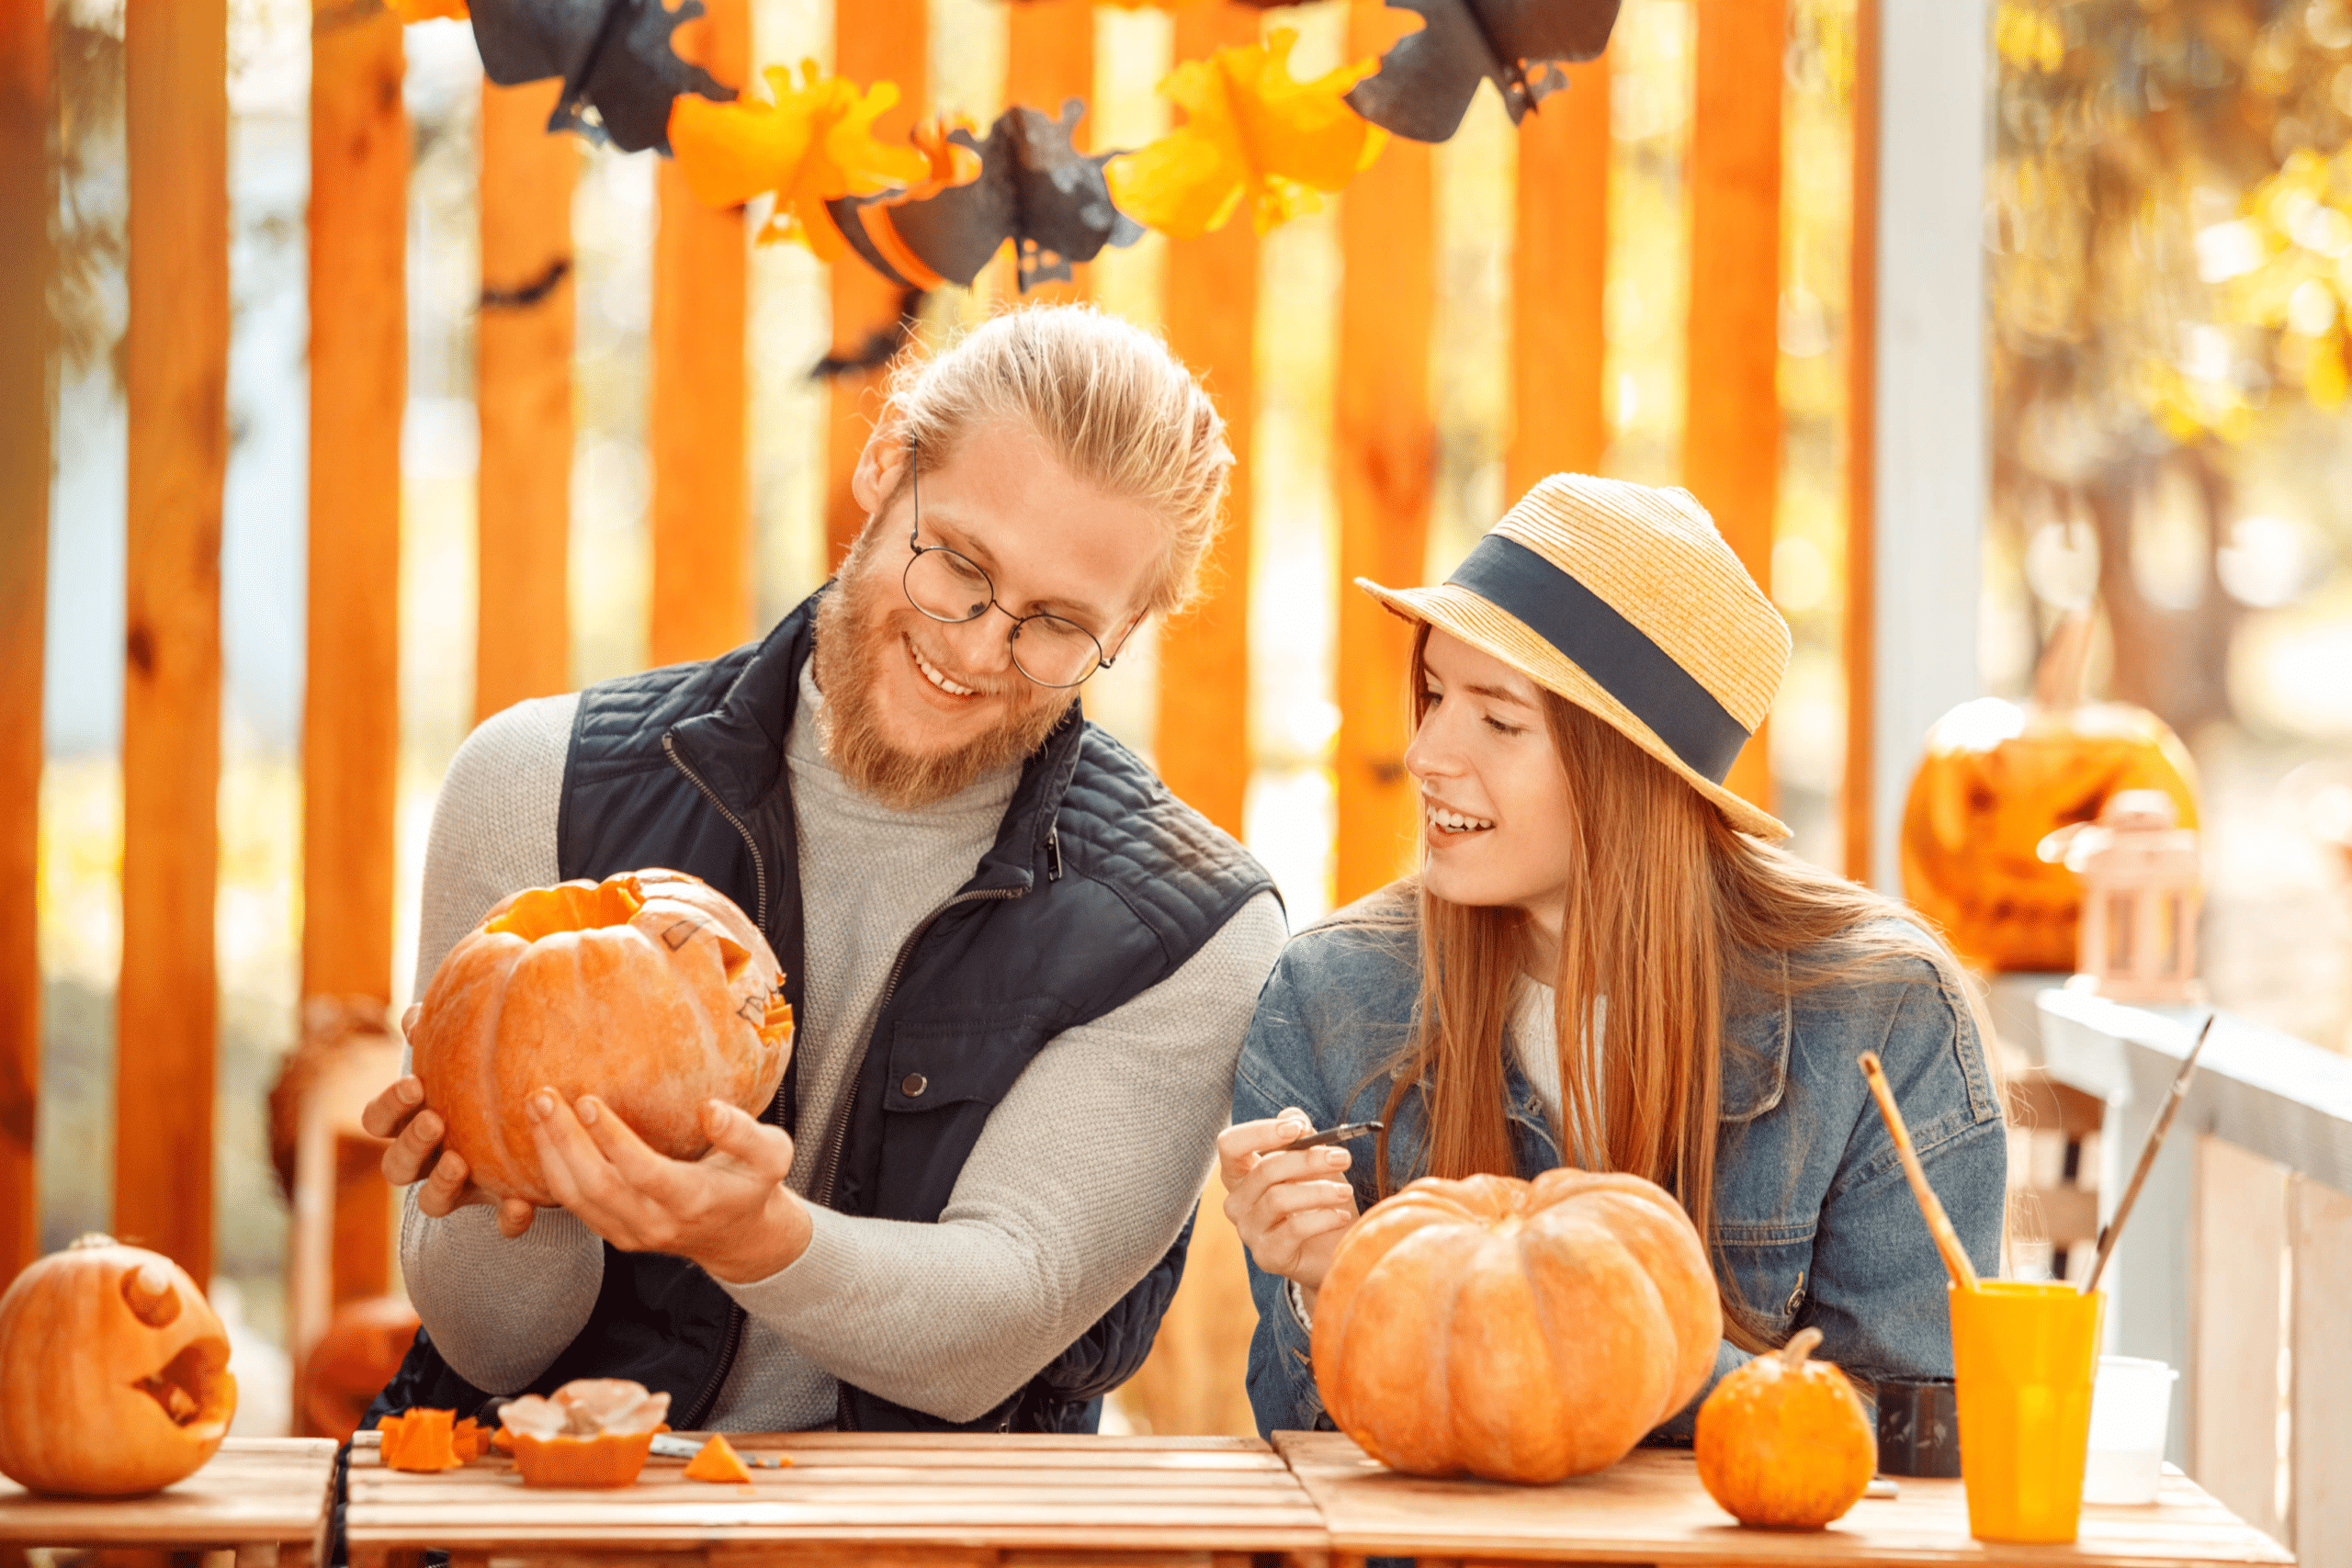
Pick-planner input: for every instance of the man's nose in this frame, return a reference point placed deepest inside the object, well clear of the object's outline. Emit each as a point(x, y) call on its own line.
point(983, 644)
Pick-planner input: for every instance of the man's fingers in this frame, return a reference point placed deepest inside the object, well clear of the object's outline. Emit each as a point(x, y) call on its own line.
point(632, 1160)
point(514, 1216)
point(411, 1153)
point(575, 1170)
point(407, 1019)
point(393, 1105)
point(766, 1150)
point(444, 1189)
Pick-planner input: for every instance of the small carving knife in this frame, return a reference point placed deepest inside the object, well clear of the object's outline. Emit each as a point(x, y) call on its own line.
point(675, 1444)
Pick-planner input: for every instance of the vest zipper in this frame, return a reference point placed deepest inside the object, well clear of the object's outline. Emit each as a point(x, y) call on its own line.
point(820, 1190)
point(758, 864)
point(708, 1397)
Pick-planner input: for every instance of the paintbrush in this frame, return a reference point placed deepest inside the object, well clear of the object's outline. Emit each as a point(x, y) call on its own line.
point(1956, 1263)
point(2114, 1227)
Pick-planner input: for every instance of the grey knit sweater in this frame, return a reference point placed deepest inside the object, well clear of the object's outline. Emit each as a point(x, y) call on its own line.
point(1079, 1182)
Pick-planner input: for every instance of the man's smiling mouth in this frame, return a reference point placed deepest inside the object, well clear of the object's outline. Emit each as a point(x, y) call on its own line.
point(933, 674)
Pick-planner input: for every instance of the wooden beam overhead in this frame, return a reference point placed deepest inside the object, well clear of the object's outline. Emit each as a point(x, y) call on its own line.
point(702, 524)
point(1386, 469)
point(1049, 59)
point(873, 40)
point(1559, 276)
point(523, 397)
point(358, 228)
point(1203, 732)
point(1731, 441)
point(27, 384)
point(175, 63)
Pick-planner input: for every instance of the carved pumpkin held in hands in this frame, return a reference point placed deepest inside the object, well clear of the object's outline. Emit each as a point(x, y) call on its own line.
point(1434, 1338)
point(1784, 1442)
point(651, 990)
point(1998, 778)
point(116, 1372)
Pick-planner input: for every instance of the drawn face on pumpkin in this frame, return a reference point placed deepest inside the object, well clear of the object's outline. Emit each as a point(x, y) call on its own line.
point(916, 708)
point(116, 1371)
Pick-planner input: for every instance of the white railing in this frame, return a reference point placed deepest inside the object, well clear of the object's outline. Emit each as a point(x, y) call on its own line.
point(2236, 1264)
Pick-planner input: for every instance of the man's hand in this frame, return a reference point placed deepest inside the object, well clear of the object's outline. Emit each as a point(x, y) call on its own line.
point(728, 1211)
point(416, 1154)
point(1291, 1208)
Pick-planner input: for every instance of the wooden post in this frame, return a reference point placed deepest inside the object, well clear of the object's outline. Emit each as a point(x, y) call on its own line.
point(27, 337)
point(1861, 453)
point(2238, 1242)
point(1386, 463)
point(177, 118)
point(1203, 723)
point(702, 533)
point(1731, 440)
point(874, 39)
point(2320, 1506)
point(360, 153)
point(1049, 59)
point(523, 395)
point(1559, 274)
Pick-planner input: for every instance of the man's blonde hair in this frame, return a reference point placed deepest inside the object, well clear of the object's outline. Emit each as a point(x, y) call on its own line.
point(1105, 396)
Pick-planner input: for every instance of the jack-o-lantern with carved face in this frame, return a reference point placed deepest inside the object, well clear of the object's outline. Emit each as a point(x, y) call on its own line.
point(651, 990)
point(114, 1372)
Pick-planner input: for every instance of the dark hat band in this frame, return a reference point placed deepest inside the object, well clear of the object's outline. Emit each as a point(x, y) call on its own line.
point(1617, 654)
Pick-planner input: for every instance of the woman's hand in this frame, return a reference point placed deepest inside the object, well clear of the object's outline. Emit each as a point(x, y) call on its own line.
point(728, 1211)
point(415, 1152)
point(1291, 1208)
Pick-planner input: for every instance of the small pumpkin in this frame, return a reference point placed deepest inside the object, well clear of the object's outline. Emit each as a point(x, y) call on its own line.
point(1997, 779)
point(363, 1346)
point(1519, 1330)
point(1783, 1443)
point(590, 1432)
point(115, 1371)
point(650, 989)
point(718, 1461)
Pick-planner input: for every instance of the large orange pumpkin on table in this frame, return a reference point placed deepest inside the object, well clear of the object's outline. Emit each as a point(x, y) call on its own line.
point(650, 989)
point(1998, 778)
point(1519, 1330)
point(114, 1372)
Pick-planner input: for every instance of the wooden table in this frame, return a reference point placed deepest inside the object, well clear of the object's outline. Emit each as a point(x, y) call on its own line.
point(265, 1499)
point(871, 1498)
point(1651, 1509)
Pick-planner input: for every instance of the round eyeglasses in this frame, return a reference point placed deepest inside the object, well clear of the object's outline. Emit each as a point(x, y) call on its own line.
point(1051, 650)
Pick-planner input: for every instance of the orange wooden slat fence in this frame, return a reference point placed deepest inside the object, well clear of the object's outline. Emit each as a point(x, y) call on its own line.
point(27, 337)
point(177, 119)
point(1049, 59)
point(1559, 278)
point(702, 524)
point(1861, 446)
point(523, 398)
point(1731, 440)
point(873, 39)
point(360, 153)
point(1386, 461)
point(1203, 733)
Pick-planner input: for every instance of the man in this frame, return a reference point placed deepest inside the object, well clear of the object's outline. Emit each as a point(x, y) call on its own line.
point(1021, 970)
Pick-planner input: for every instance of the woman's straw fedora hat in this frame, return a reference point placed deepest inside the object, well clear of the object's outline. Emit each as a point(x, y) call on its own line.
point(1624, 600)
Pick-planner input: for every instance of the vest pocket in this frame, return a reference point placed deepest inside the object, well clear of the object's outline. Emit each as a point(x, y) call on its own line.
point(962, 1057)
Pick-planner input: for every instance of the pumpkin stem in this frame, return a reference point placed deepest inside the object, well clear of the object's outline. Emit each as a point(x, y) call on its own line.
point(148, 1290)
point(2059, 678)
point(1799, 1347)
point(90, 1238)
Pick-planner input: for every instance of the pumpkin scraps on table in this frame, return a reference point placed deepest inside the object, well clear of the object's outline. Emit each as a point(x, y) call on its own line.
point(1783, 1443)
point(590, 1432)
point(117, 1373)
point(427, 1441)
point(718, 1461)
point(1434, 1355)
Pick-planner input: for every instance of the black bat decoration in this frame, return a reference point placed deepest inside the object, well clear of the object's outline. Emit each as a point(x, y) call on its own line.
point(1425, 80)
point(1034, 188)
point(619, 71)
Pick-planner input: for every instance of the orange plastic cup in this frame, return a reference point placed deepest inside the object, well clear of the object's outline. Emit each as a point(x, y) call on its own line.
point(2024, 1356)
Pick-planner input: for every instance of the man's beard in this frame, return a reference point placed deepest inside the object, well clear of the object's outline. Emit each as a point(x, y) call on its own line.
point(853, 641)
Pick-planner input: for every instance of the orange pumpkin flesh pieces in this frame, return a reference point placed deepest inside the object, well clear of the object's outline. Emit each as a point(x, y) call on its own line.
point(1997, 779)
point(114, 1373)
point(651, 990)
point(1783, 1443)
point(718, 1461)
point(422, 1440)
point(1521, 1331)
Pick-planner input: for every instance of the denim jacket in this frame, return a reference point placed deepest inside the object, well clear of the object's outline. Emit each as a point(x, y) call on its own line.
point(1814, 1220)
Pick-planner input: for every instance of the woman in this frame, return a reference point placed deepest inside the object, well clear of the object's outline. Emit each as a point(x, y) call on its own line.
point(1605, 963)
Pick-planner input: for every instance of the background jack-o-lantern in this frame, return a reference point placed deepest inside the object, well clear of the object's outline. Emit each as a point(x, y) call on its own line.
point(1998, 778)
point(114, 1372)
point(650, 989)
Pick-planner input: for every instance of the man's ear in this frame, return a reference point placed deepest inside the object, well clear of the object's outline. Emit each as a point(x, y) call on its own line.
point(882, 466)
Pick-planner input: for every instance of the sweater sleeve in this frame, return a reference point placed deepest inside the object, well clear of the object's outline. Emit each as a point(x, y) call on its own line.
point(1079, 1182)
point(498, 1311)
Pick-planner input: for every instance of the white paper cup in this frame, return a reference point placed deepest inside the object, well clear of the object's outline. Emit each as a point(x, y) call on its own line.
point(2130, 1406)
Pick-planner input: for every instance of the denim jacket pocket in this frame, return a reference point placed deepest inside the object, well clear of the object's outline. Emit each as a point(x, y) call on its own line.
point(1770, 1268)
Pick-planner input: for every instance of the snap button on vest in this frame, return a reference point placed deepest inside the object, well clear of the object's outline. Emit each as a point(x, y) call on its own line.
point(913, 1084)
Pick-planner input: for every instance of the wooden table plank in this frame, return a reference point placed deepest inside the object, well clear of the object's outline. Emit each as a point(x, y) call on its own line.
point(932, 1497)
point(255, 1491)
point(1651, 1509)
